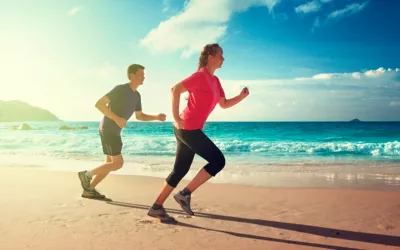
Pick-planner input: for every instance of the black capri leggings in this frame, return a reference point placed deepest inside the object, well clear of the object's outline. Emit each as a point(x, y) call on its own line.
point(189, 143)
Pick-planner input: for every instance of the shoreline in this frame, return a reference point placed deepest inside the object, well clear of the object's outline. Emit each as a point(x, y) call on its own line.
point(385, 176)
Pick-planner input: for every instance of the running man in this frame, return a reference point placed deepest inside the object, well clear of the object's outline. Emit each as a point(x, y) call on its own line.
point(118, 106)
point(205, 91)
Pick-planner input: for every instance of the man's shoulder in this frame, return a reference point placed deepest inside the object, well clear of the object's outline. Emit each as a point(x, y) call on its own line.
point(121, 86)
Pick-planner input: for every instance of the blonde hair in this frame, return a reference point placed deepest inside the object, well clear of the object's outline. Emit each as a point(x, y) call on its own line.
point(209, 49)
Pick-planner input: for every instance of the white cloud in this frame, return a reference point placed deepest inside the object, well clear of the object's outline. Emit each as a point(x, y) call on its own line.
point(282, 104)
point(106, 72)
point(74, 10)
point(355, 75)
point(316, 24)
point(347, 11)
point(395, 103)
point(397, 69)
point(323, 76)
point(334, 79)
point(309, 7)
point(166, 5)
point(201, 22)
point(325, 96)
point(375, 73)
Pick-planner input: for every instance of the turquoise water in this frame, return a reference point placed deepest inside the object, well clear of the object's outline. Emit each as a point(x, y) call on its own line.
point(260, 141)
point(257, 153)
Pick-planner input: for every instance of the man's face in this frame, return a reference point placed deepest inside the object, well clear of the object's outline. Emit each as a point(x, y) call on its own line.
point(139, 76)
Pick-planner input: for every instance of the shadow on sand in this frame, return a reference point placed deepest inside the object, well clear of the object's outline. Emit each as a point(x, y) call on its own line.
point(321, 231)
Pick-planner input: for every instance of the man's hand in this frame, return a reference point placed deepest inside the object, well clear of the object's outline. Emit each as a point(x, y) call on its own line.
point(161, 117)
point(121, 122)
point(244, 93)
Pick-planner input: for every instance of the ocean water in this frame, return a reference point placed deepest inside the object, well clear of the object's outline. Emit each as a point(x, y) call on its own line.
point(251, 148)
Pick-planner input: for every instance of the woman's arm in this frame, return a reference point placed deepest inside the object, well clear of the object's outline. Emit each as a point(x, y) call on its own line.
point(176, 92)
point(227, 103)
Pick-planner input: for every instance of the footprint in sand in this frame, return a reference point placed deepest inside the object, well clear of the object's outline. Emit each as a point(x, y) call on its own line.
point(145, 221)
point(279, 213)
point(201, 209)
point(185, 216)
point(384, 224)
point(284, 236)
point(78, 203)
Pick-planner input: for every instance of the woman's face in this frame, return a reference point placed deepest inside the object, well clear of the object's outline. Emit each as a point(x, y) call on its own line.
point(217, 60)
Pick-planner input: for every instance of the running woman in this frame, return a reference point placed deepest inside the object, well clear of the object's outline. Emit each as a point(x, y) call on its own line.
point(205, 92)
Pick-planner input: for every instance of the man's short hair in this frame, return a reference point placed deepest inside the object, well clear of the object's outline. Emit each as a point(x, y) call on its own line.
point(133, 68)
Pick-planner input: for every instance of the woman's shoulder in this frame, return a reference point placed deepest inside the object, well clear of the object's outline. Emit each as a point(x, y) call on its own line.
point(198, 75)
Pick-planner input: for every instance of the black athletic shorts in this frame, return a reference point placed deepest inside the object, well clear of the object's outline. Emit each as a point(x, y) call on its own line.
point(112, 144)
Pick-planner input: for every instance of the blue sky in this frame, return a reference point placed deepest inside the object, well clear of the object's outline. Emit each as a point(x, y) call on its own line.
point(324, 60)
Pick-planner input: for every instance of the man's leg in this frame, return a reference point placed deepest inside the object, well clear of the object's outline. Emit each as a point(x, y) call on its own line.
point(113, 163)
point(112, 147)
point(99, 177)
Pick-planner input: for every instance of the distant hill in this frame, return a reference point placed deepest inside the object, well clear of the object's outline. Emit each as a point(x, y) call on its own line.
point(17, 111)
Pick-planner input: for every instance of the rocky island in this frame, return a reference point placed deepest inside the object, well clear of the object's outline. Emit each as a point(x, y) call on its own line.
point(18, 111)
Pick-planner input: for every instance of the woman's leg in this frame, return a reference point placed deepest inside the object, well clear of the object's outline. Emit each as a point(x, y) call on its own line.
point(183, 160)
point(200, 144)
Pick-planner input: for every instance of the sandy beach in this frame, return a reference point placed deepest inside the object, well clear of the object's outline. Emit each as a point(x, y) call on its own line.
point(43, 210)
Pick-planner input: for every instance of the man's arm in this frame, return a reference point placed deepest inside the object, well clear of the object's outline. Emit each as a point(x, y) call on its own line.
point(145, 117)
point(101, 105)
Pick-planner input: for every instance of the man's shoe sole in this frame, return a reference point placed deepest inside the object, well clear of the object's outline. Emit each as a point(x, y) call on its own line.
point(96, 198)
